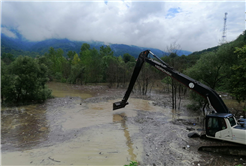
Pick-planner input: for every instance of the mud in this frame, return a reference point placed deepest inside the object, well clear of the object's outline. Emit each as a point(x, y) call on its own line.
point(80, 129)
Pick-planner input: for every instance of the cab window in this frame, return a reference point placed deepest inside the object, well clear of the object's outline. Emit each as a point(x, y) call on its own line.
point(215, 124)
point(232, 121)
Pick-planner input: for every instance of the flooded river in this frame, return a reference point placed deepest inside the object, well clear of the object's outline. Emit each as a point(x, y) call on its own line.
point(67, 131)
point(78, 127)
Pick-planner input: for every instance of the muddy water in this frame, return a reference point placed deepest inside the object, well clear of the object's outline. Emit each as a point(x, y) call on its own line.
point(66, 131)
point(74, 130)
point(21, 126)
point(63, 90)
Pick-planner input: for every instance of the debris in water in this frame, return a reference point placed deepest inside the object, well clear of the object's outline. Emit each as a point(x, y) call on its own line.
point(54, 160)
point(113, 152)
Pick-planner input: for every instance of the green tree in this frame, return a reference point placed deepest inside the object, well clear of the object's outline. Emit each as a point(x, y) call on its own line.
point(28, 78)
point(106, 51)
point(71, 54)
point(128, 58)
point(84, 48)
point(7, 58)
point(77, 74)
point(110, 64)
point(75, 59)
point(7, 83)
point(207, 70)
point(47, 62)
point(58, 65)
point(237, 81)
point(92, 62)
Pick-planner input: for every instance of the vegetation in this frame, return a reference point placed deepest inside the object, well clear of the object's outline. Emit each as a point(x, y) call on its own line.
point(132, 163)
point(222, 68)
point(23, 81)
point(236, 83)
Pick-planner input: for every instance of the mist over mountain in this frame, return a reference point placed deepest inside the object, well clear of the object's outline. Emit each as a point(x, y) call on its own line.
point(19, 44)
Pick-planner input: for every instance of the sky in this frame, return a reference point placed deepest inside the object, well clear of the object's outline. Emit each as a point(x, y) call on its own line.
point(193, 25)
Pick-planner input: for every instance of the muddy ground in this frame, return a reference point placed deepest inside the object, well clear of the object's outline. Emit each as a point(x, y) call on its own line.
point(85, 131)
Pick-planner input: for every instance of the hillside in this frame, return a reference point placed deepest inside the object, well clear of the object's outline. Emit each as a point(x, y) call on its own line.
point(239, 41)
point(19, 46)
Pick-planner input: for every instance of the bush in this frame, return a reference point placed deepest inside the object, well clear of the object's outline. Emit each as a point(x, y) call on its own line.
point(23, 81)
point(133, 163)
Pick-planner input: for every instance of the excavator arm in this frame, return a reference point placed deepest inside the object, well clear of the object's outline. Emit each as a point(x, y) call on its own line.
point(213, 98)
point(141, 59)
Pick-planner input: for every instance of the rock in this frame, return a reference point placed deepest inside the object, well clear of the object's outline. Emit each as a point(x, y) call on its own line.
point(189, 128)
point(193, 135)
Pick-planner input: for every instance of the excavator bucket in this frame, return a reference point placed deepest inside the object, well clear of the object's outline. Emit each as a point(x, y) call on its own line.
point(119, 104)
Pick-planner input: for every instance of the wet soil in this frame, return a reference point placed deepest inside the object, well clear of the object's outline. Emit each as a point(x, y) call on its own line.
point(82, 129)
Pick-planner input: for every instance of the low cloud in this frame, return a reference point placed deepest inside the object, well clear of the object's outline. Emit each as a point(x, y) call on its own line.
point(8, 33)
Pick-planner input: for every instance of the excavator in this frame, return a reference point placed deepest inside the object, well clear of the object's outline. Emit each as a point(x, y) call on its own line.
point(219, 123)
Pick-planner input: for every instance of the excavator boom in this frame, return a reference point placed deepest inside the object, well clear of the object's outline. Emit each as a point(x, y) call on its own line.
point(213, 98)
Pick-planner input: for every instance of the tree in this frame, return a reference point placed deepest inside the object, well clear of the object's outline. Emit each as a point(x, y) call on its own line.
point(105, 51)
point(7, 83)
point(173, 58)
point(75, 59)
point(71, 54)
point(110, 64)
point(207, 70)
point(7, 58)
point(47, 62)
point(28, 81)
point(84, 48)
point(237, 81)
point(128, 58)
point(146, 79)
point(58, 64)
point(77, 74)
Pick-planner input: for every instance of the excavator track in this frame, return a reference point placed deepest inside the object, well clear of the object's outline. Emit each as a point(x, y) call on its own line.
point(227, 150)
point(223, 147)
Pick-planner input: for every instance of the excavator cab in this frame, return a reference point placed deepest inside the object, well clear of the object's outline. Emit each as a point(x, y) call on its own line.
point(216, 123)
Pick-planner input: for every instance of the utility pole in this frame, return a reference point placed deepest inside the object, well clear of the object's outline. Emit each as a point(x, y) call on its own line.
point(224, 30)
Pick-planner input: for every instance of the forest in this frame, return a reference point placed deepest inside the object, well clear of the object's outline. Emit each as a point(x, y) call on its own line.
point(23, 78)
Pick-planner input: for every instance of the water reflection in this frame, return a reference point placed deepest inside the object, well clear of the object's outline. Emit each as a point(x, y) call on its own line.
point(120, 118)
point(23, 127)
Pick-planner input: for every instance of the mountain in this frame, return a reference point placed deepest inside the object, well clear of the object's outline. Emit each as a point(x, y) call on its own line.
point(19, 46)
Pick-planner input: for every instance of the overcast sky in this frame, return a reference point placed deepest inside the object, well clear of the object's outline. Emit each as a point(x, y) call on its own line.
point(193, 25)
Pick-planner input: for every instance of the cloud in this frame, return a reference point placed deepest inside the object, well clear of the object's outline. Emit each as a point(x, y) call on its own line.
point(193, 25)
point(8, 32)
